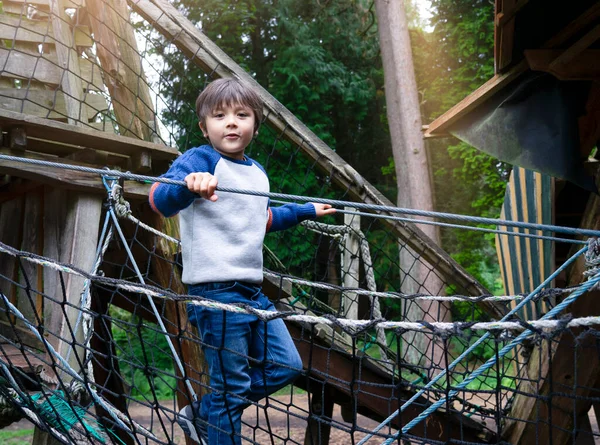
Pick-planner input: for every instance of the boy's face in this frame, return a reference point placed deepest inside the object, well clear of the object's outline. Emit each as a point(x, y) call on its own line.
point(230, 129)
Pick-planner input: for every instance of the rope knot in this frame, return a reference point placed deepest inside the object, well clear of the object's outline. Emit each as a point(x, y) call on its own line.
point(592, 258)
point(122, 207)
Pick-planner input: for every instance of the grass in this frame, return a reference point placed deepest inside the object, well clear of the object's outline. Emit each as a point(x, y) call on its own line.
point(287, 390)
point(20, 437)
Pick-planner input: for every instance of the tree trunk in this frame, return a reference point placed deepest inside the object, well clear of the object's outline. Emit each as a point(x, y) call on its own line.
point(412, 172)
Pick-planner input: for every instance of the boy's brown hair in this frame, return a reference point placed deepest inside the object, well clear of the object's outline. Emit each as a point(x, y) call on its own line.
point(228, 92)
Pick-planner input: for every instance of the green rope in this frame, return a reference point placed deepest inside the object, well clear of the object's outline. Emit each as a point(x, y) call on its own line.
point(62, 415)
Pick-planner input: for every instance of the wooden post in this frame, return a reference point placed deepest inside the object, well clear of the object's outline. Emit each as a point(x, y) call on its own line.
point(122, 65)
point(321, 405)
point(11, 214)
point(350, 271)
point(71, 235)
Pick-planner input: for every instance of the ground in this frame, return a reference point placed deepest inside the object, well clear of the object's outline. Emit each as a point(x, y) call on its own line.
point(284, 425)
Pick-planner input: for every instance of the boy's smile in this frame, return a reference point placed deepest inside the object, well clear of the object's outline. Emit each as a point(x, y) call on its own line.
point(230, 129)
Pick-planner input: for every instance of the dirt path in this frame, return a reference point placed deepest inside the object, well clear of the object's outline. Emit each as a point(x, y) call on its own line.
point(286, 421)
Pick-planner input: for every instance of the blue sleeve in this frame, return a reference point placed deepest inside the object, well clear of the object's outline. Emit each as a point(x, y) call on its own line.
point(286, 216)
point(168, 199)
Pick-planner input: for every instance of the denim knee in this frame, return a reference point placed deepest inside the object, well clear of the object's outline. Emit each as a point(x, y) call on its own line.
point(294, 370)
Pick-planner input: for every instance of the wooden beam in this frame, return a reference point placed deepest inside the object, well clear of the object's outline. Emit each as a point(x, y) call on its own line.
point(505, 34)
point(577, 48)
point(75, 152)
point(116, 47)
point(68, 60)
point(576, 26)
point(439, 126)
point(583, 66)
point(45, 68)
point(46, 3)
point(23, 29)
point(192, 42)
point(69, 134)
point(46, 103)
point(66, 179)
point(508, 13)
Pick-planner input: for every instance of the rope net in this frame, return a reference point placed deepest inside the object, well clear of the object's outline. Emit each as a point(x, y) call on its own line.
point(398, 343)
point(110, 361)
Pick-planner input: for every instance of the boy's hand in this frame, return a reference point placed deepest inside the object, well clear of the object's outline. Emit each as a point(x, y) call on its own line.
point(323, 209)
point(204, 184)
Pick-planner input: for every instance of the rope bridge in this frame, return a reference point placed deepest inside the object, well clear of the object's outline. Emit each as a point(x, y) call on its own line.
point(123, 347)
point(398, 343)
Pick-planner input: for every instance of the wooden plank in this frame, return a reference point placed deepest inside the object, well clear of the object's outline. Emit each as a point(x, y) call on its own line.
point(14, 8)
point(438, 127)
point(45, 4)
point(23, 29)
point(81, 154)
point(18, 335)
point(583, 66)
point(68, 180)
point(177, 29)
point(506, 37)
point(70, 134)
point(54, 221)
point(47, 103)
point(577, 47)
point(44, 68)
point(78, 243)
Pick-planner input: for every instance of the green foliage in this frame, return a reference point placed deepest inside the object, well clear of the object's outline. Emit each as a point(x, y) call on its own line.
point(145, 361)
point(452, 62)
point(19, 437)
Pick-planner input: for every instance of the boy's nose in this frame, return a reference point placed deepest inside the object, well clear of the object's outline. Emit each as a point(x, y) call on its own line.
point(231, 120)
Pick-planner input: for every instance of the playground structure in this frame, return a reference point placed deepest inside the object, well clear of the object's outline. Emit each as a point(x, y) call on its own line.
point(73, 77)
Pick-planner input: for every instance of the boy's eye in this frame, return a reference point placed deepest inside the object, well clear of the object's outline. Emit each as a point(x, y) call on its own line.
point(243, 114)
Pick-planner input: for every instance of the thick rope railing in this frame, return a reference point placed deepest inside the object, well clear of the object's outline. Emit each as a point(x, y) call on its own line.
point(365, 252)
point(351, 326)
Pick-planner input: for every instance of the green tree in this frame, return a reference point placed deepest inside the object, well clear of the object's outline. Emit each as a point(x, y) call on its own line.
point(467, 181)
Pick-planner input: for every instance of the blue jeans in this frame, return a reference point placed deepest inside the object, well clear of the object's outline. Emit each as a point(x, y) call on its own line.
point(247, 358)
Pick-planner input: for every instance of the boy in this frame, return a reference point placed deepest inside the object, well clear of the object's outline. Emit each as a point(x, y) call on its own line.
point(221, 240)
